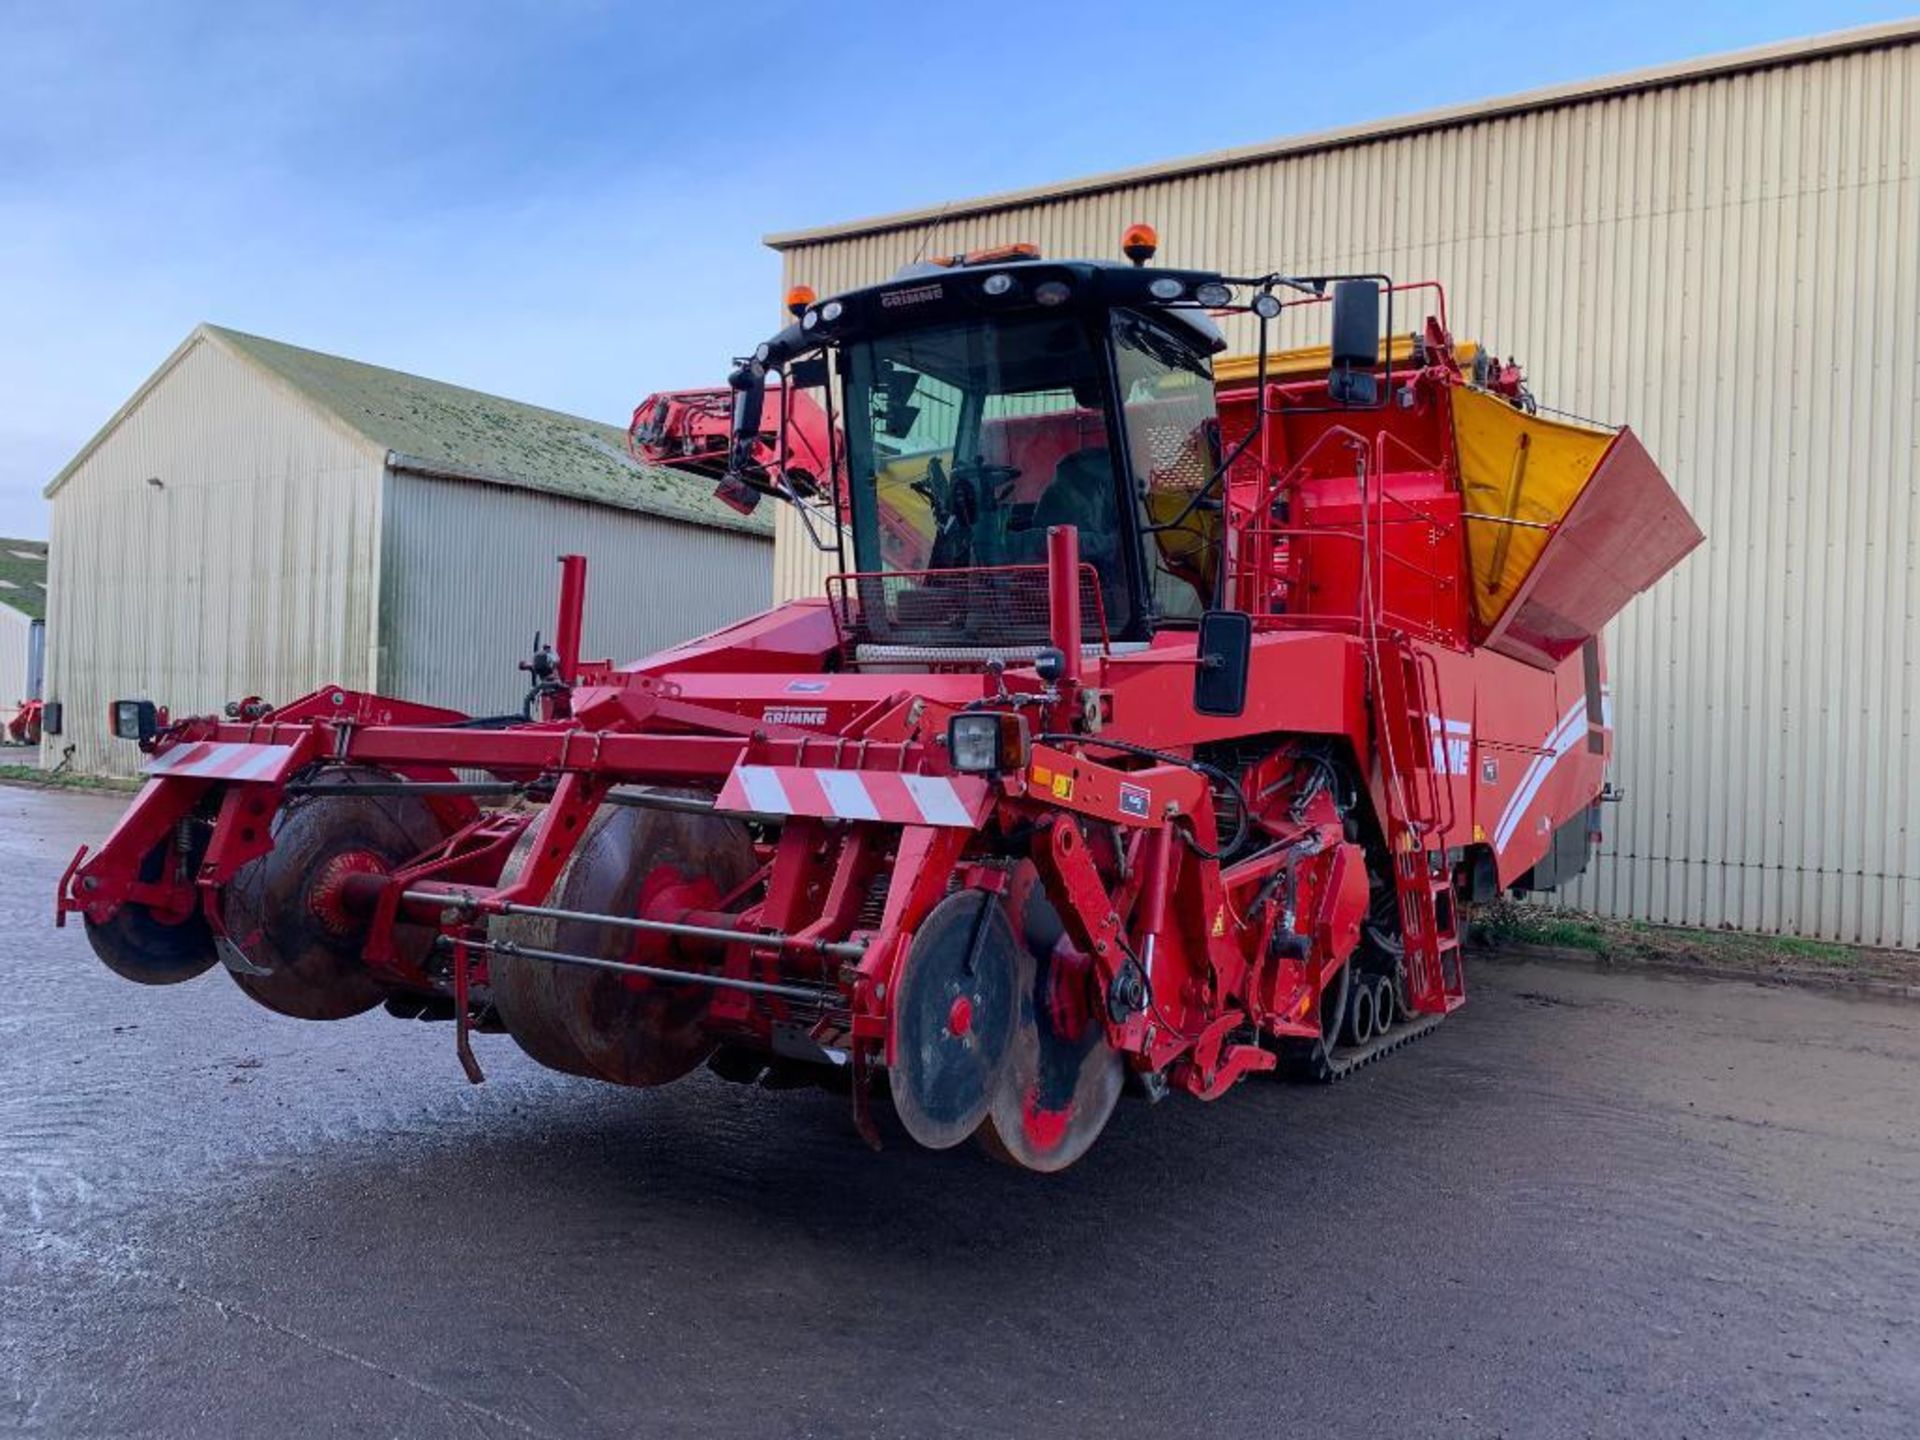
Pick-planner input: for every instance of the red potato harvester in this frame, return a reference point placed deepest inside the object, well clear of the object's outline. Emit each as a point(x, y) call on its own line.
point(1165, 715)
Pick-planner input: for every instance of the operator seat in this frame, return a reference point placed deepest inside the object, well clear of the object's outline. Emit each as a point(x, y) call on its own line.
point(1081, 494)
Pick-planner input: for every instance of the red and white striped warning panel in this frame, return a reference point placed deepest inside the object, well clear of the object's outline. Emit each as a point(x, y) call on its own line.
point(956, 800)
point(215, 760)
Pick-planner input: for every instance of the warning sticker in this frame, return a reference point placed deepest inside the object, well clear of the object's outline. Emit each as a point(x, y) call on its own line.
point(1134, 800)
point(1063, 787)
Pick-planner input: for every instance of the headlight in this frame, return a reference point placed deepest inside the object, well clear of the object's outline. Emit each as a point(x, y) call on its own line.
point(831, 311)
point(1266, 305)
point(810, 319)
point(996, 284)
point(134, 719)
point(1213, 294)
point(987, 744)
point(1166, 288)
point(1053, 292)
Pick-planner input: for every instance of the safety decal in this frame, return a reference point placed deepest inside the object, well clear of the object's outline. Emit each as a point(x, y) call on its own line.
point(215, 760)
point(884, 795)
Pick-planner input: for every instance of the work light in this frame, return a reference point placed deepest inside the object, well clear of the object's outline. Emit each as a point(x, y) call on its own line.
point(987, 744)
point(134, 719)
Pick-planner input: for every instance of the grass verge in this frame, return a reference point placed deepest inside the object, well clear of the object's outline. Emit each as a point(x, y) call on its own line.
point(34, 776)
point(1517, 927)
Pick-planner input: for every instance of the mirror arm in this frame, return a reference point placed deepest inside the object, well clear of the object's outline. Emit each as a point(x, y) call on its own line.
point(1259, 424)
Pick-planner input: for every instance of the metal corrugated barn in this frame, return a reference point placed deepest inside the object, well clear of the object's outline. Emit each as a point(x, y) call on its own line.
point(23, 615)
point(262, 519)
point(1725, 254)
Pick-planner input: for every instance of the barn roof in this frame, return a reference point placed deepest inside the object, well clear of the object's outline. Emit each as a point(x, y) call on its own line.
point(434, 428)
point(23, 577)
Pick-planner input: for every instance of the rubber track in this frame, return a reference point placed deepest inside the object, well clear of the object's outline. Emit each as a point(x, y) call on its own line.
point(1345, 1062)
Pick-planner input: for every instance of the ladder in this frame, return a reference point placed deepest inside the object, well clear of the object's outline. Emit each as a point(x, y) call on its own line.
point(1420, 812)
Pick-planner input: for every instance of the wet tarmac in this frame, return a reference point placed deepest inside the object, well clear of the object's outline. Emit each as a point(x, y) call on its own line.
point(1590, 1204)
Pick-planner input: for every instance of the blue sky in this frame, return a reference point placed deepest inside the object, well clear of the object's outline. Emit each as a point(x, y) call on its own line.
point(563, 201)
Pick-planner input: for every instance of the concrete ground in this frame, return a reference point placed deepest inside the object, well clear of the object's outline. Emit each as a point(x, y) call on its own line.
point(1591, 1204)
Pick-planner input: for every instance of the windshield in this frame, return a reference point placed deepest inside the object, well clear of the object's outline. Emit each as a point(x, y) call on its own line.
point(1166, 395)
point(966, 442)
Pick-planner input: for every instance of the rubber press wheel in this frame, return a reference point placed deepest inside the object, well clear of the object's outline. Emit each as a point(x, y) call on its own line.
point(640, 863)
point(149, 949)
point(522, 990)
point(283, 910)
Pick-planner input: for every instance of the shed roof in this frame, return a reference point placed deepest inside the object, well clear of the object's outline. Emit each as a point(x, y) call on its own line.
point(1866, 37)
point(23, 577)
point(435, 428)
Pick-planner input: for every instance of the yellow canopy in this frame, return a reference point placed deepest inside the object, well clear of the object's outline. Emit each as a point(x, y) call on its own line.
point(1519, 475)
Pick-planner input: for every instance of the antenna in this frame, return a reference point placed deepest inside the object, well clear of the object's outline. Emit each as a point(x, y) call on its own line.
point(926, 235)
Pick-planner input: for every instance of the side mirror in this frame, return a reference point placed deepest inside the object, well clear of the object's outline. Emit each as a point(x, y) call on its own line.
point(1356, 342)
point(1225, 654)
point(749, 384)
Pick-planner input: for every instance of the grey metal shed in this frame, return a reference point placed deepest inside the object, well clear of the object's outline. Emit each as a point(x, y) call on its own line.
point(263, 519)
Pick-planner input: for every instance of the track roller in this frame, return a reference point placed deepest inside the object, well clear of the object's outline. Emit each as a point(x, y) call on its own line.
point(1359, 1022)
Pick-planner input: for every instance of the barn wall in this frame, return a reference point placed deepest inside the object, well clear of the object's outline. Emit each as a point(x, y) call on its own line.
point(16, 659)
point(470, 575)
point(248, 570)
point(1731, 265)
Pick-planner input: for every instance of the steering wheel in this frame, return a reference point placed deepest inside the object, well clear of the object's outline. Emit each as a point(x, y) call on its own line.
point(986, 479)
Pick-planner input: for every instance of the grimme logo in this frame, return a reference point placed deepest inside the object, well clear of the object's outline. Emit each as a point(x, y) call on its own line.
point(1452, 744)
point(801, 715)
point(918, 295)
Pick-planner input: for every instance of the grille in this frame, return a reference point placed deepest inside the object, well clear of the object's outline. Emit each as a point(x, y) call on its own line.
point(946, 609)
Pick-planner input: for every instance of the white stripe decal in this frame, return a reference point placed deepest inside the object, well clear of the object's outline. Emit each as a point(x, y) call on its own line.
point(212, 760)
point(1572, 726)
point(161, 764)
point(847, 794)
point(764, 792)
point(260, 764)
point(938, 801)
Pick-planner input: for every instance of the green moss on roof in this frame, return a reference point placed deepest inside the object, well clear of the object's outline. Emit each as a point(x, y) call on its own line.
point(23, 577)
point(463, 432)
